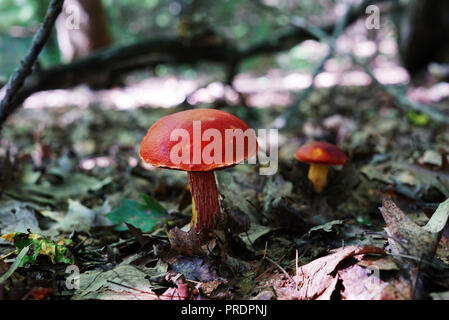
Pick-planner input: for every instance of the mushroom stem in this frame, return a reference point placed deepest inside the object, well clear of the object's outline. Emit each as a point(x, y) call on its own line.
point(204, 199)
point(318, 176)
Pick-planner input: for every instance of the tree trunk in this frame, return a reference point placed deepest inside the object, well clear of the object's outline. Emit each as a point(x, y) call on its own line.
point(82, 28)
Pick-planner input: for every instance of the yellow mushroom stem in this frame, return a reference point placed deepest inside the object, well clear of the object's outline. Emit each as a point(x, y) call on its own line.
point(194, 220)
point(318, 175)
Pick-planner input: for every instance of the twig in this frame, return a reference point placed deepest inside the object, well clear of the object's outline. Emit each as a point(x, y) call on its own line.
point(265, 250)
point(15, 83)
point(282, 269)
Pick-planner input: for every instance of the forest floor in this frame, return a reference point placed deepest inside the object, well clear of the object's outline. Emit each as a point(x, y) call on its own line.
point(71, 168)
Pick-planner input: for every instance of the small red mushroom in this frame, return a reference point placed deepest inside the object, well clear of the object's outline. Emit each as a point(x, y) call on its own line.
point(156, 148)
point(320, 155)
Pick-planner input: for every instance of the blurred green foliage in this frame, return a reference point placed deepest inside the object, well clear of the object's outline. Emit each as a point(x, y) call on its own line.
point(24, 13)
point(243, 22)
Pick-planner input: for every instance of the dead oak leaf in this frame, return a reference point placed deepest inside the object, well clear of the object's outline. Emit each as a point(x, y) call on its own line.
point(184, 243)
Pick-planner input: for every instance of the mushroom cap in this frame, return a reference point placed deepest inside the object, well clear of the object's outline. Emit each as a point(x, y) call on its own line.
point(322, 153)
point(156, 146)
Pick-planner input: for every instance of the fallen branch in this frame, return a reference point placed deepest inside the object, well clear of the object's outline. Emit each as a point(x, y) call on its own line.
point(10, 102)
point(101, 68)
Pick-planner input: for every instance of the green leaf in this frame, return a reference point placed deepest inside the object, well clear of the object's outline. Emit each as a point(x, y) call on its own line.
point(418, 119)
point(144, 216)
point(57, 252)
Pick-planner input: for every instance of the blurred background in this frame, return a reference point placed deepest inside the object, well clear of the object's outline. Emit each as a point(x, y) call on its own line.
point(258, 45)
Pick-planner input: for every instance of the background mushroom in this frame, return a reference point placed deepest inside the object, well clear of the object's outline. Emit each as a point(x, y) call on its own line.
point(157, 145)
point(320, 155)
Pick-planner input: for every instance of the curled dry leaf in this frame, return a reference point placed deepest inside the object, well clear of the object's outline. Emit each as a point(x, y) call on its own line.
point(181, 292)
point(360, 284)
point(318, 280)
point(365, 284)
point(406, 238)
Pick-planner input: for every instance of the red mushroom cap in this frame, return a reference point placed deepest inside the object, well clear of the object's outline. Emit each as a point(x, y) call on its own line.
point(322, 153)
point(156, 145)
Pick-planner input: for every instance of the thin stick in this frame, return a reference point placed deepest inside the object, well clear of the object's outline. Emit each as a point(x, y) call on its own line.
point(9, 104)
point(282, 269)
point(265, 251)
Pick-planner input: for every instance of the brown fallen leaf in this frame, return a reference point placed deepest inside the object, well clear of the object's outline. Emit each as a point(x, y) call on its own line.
point(193, 267)
point(380, 263)
point(399, 289)
point(185, 243)
point(318, 279)
point(182, 291)
point(407, 239)
point(209, 287)
point(443, 250)
point(360, 284)
point(413, 246)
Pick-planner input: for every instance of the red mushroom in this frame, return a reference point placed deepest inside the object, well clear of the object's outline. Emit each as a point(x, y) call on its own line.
point(158, 146)
point(320, 155)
